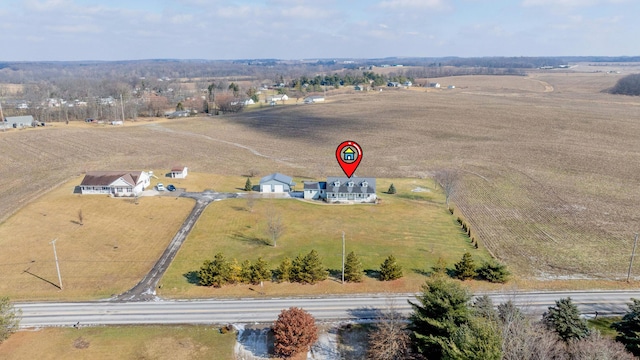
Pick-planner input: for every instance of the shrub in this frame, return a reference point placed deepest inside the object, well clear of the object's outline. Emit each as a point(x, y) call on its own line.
point(465, 268)
point(494, 272)
point(628, 85)
point(352, 268)
point(390, 269)
point(294, 332)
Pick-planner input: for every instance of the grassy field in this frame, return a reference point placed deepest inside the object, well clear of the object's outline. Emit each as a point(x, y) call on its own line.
point(549, 165)
point(117, 244)
point(120, 342)
point(413, 226)
point(603, 324)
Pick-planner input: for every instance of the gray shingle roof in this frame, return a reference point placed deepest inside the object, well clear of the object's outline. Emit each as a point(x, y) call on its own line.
point(278, 177)
point(356, 188)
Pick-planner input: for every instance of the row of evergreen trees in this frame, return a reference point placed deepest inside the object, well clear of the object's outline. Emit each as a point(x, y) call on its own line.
point(307, 269)
point(466, 269)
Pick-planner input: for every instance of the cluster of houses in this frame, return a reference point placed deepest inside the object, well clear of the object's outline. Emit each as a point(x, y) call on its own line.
point(123, 183)
point(334, 190)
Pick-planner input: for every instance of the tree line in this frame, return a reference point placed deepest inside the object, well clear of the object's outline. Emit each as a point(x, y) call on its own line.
point(303, 269)
point(628, 85)
point(446, 323)
point(309, 269)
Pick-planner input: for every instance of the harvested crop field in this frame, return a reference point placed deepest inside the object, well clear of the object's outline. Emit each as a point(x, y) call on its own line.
point(548, 180)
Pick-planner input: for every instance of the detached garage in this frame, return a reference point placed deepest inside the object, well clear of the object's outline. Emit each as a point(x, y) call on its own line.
point(276, 183)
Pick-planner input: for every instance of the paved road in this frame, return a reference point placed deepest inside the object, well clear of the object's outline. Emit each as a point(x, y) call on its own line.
point(266, 310)
point(145, 290)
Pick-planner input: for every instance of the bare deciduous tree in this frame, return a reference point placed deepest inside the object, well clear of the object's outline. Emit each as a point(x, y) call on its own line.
point(80, 217)
point(390, 339)
point(596, 347)
point(447, 179)
point(275, 226)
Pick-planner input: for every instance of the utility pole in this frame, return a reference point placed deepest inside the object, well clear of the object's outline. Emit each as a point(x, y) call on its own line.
point(122, 106)
point(2, 118)
point(343, 257)
point(55, 254)
point(633, 253)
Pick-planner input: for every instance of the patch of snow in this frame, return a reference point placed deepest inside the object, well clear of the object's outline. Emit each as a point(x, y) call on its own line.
point(421, 189)
point(326, 348)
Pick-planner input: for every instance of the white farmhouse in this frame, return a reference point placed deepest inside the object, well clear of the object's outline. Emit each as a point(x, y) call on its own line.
point(115, 183)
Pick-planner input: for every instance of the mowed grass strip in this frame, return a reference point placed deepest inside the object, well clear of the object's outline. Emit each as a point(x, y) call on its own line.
point(117, 244)
point(413, 226)
point(120, 342)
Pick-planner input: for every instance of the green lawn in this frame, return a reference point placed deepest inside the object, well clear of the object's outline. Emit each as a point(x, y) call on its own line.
point(603, 324)
point(413, 226)
point(120, 342)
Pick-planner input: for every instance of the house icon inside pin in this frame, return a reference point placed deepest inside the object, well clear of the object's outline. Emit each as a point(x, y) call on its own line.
point(349, 154)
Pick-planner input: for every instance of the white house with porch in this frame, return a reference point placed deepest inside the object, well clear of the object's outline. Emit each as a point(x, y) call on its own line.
point(115, 183)
point(342, 189)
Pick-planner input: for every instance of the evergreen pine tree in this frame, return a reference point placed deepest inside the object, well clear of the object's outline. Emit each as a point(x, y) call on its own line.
point(478, 339)
point(284, 270)
point(215, 273)
point(247, 185)
point(441, 310)
point(629, 328)
point(483, 307)
point(465, 269)
point(564, 319)
point(390, 269)
point(440, 268)
point(245, 272)
point(494, 272)
point(260, 271)
point(352, 268)
point(313, 268)
point(392, 189)
point(235, 272)
point(298, 273)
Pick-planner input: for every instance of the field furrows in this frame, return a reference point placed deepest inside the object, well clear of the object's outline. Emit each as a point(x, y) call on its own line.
point(535, 230)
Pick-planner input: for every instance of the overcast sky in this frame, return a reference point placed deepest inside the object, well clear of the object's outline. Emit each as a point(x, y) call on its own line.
point(33, 30)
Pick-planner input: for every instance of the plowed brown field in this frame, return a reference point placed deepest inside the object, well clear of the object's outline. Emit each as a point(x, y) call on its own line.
point(550, 180)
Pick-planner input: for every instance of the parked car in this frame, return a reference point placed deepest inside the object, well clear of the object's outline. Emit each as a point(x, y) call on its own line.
point(160, 187)
point(170, 187)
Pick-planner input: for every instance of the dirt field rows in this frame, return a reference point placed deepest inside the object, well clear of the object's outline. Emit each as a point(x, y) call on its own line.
point(550, 180)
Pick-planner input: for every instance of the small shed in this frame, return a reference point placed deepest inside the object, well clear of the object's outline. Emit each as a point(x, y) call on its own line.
point(276, 183)
point(178, 172)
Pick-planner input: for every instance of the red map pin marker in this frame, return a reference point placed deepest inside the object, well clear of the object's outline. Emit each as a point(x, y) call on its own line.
point(349, 155)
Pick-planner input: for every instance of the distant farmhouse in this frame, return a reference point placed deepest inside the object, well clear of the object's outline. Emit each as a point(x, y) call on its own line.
point(313, 99)
point(276, 183)
point(178, 172)
point(339, 189)
point(282, 97)
point(20, 121)
point(115, 183)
